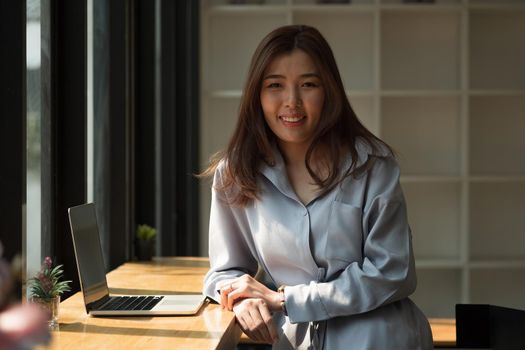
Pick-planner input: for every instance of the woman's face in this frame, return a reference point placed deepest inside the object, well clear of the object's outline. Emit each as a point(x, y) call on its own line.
point(292, 98)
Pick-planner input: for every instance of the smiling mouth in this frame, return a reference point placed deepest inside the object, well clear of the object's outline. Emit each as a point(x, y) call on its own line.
point(292, 119)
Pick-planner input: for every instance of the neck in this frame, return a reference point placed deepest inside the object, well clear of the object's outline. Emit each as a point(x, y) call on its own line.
point(293, 154)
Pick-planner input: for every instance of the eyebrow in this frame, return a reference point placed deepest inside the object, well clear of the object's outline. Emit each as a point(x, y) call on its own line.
point(279, 76)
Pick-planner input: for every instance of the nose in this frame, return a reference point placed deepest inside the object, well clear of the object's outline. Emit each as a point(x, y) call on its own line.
point(294, 98)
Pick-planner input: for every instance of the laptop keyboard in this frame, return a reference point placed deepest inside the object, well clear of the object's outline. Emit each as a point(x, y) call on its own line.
point(131, 303)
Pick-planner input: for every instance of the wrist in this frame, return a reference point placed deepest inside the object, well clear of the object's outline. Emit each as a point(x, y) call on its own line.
point(275, 301)
point(282, 300)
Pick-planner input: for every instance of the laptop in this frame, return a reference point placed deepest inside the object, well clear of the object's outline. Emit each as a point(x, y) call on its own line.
point(91, 272)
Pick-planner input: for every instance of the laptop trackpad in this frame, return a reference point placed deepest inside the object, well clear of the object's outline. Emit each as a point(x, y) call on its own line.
point(180, 302)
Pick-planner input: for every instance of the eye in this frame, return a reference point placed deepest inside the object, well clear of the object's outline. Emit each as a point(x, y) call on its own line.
point(310, 84)
point(273, 85)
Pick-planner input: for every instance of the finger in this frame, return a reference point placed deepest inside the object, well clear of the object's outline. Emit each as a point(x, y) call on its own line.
point(250, 326)
point(259, 324)
point(244, 326)
point(246, 287)
point(240, 314)
point(235, 296)
point(225, 290)
point(242, 291)
point(268, 321)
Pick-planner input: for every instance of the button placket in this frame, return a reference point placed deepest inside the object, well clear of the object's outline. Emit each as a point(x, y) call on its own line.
point(305, 237)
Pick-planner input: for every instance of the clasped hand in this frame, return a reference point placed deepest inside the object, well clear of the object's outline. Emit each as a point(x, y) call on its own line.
point(253, 304)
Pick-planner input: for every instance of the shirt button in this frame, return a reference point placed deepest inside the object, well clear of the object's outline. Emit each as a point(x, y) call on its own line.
point(305, 213)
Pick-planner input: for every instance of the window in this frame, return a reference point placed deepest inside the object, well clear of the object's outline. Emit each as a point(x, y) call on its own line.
point(73, 106)
point(33, 155)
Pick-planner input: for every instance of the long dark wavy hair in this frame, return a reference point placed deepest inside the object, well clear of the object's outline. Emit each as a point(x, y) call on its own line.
point(251, 142)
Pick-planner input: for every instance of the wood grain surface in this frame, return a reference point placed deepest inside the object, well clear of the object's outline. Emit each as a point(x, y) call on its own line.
point(211, 328)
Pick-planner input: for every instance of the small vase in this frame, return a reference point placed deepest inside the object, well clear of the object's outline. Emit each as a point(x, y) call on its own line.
point(51, 307)
point(145, 249)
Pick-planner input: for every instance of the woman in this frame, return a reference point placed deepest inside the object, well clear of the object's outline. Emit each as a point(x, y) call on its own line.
point(307, 193)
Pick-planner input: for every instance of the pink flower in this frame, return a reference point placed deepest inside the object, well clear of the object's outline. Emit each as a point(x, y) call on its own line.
point(48, 262)
point(47, 282)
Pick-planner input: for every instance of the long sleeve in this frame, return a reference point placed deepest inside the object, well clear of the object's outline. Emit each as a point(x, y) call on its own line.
point(230, 256)
point(387, 272)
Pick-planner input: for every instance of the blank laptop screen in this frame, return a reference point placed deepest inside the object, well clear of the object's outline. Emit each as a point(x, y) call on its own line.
point(88, 252)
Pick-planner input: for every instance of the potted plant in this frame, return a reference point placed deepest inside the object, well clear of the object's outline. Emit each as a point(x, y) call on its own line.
point(46, 287)
point(145, 242)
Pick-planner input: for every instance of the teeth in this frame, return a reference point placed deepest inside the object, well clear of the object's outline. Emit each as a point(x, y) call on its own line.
point(292, 119)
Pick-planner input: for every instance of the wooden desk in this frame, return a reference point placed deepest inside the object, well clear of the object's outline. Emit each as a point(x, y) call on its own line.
point(443, 332)
point(212, 328)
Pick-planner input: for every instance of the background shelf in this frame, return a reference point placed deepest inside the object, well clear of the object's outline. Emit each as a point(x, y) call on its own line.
point(447, 282)
point(230, 49)
point(433, 4)
point(499, 287)
point(497, 134)
point(245, 3)
point(497, 49)
point(321, 5)
point(434, 211)
point(425, 132)
point(497, 221)
point(495, 2)
point(219, 128)
point(364, 108)
point(411, 42)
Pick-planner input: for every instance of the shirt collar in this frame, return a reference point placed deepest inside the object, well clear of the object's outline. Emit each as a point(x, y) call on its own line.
point(276, 173)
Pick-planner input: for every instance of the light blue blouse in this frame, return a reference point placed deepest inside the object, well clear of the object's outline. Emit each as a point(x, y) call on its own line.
point(346, 258)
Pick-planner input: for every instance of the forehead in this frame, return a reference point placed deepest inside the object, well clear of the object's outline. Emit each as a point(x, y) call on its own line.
point(296, 61)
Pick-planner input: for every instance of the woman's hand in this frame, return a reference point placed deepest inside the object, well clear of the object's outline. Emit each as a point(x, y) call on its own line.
point(255, 320)
point(246, 287)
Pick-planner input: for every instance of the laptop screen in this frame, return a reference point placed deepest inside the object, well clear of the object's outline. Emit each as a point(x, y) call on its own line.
point(88, 252)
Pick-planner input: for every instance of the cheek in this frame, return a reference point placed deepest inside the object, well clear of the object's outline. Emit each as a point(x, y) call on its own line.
point(316, 103)
point(269, 104)
point(270, 98)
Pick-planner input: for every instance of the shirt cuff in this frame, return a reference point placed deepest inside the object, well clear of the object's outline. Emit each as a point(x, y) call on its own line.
point(304, 304)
